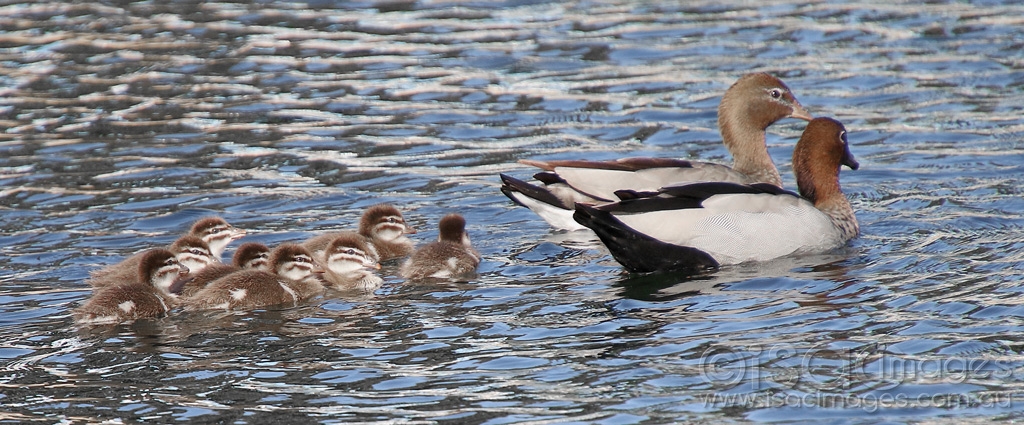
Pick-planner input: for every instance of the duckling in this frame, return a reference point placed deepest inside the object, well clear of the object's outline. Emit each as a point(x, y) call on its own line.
point(145, 295)
point(189, 250)
point(217, 233)
point(214, 232)
point(194, 253)
point(294, 278)
point(346, 261)
point(250, 255)
point(385, 229)
point(451, 256)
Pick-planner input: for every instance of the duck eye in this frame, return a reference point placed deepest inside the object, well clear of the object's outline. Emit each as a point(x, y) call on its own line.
point(349, 251)
point(775, 93)
point(842, 136)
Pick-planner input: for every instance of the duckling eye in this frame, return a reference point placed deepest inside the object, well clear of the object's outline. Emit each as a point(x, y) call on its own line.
point(842, 136)
point(196, 251)
point(775, 93)
point(350, 251)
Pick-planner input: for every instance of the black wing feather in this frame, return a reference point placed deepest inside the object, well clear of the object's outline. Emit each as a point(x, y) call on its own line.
point(511, 184)
point(684, 196)
point(641, 253)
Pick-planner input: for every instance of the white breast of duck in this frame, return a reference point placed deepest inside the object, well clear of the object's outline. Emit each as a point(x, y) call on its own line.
point(737, 223)
point(742, 227)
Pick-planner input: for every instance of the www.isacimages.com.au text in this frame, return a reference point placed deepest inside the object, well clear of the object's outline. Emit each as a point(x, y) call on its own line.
point(867, 402)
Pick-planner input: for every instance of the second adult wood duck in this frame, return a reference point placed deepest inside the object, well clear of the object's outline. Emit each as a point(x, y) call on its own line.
point(696, 227)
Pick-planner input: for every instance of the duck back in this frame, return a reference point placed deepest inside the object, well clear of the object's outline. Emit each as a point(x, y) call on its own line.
point(115, 304)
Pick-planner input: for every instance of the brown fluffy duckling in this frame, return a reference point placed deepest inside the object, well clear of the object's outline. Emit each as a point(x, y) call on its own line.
point(294, 278)
point(385, 229)
point(217, 233)
point(451, 256)
point(189, 250)
point(348, 264)
point(145, 295)
point(248, 256)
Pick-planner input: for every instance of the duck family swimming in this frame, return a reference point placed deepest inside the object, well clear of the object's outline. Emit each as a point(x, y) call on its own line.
point(652, 215)
point(189, 273)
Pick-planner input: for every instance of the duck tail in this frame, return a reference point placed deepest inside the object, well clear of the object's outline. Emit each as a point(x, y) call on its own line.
point(638, 252)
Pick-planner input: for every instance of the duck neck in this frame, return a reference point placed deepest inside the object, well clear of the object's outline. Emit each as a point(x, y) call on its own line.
point(841, 213)
point(827, 196)
point(748, 146)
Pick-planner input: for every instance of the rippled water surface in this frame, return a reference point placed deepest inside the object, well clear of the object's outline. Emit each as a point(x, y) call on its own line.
point(126, 121)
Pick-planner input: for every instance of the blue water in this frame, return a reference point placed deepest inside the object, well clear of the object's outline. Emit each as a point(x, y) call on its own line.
point(126, 122)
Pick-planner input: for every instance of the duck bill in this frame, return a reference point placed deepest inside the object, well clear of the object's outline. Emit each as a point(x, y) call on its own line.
point(409, 230)
point(849, 160)
point(800, 113)
point(237, 233)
